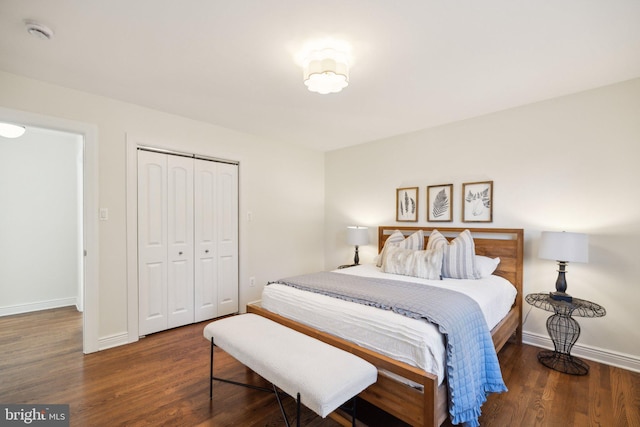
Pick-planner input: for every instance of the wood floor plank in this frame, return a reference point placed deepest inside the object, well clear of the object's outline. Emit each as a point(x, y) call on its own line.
point(162, 381)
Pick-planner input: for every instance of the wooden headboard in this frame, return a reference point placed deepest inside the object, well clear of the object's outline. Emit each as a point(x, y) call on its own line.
point(506, 243)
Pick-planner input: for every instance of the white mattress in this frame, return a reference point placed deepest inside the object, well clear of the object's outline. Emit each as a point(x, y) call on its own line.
point(416, 342)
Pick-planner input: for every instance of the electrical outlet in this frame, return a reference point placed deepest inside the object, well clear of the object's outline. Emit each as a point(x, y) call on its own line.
point(252, 281)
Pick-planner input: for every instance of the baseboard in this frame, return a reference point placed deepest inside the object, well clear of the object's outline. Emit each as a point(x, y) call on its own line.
point(37, 306)
point(608, 357)
point(114, 340)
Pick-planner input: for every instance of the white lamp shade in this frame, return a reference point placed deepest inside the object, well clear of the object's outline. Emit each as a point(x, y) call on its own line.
point(358, 236)
point(563, 246)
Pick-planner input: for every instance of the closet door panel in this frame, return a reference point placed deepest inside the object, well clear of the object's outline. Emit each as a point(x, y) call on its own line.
point(155, 300)
point(206, 296)
point(152, 242)
point(227, 208)
point(180, 240)
point(205, 288)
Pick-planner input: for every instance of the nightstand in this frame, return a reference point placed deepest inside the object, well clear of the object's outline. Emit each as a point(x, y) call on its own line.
point(564, 330)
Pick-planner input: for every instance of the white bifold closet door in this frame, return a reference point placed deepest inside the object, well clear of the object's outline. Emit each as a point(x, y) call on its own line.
point(187, 240)
point(216, 244)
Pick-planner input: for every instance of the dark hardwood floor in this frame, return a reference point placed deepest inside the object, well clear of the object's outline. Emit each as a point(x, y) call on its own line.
point(162, 380)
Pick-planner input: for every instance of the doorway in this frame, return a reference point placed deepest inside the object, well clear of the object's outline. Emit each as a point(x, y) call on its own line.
point(41, 221)
point(82, 245)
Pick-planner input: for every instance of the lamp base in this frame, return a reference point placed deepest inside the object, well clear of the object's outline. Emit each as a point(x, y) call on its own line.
point(561, 296)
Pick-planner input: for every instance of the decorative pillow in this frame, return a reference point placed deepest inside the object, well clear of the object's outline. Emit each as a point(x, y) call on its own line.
point(459, 256)
point(485, 266)
point(415, 242)
point(408, 262)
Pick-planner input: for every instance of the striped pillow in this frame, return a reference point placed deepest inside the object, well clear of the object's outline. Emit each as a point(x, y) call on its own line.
point(408, 262)
point(415, 242)
point(459, 261)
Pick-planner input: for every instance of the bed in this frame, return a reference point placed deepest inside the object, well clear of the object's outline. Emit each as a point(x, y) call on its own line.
point(412, 393)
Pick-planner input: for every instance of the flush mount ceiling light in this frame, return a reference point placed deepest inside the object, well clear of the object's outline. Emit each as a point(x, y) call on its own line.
point(38, 30)
point(9, 130)
point(326, 71)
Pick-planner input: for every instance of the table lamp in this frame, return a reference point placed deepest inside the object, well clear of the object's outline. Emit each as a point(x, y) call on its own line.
point(357, 236)
point(563, 247)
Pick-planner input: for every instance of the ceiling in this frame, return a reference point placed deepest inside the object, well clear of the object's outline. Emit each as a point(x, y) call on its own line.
point(416, 63)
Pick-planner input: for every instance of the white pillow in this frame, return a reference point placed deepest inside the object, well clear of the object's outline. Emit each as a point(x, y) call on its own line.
point(486, 266)
point(459, 261)
point(414, 241)
point(408, 262)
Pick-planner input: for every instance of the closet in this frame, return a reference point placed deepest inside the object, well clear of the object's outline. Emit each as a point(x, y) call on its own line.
point(187, 239)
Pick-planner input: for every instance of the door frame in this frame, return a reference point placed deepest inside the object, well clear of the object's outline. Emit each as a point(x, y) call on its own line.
point(133, 326)
point(91, 277)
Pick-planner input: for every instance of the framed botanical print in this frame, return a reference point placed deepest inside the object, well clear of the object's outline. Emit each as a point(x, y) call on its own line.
point(477, 201)
point(407, 204)
point(440, 203)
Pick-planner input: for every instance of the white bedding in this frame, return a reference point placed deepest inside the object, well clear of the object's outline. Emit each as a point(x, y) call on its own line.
point(412, 341)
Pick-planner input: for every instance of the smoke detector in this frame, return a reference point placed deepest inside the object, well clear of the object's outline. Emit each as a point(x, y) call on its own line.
point(38, 30)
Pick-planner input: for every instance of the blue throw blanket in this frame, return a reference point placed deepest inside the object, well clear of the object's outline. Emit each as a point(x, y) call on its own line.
point(473, 370)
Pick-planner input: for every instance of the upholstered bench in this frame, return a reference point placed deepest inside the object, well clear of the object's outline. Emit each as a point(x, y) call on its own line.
point(319, 376)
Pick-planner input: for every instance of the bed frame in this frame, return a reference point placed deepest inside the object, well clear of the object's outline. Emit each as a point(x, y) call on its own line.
point(428, 408)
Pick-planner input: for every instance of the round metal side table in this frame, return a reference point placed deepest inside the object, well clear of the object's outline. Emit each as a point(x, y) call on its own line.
point(564, 331)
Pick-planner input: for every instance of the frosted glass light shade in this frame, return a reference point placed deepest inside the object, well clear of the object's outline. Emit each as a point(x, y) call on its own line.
point(9, 130)
point(326, 71)
point(563, 246)
point(357, 236)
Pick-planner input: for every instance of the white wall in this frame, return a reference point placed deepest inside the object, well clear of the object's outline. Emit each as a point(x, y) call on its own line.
point(40, 221)
point(570, 163)
point(273, 177)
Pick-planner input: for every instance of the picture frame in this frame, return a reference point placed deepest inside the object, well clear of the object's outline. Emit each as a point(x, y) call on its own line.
point(440, 203)
point(407, 204)
point(477, 201)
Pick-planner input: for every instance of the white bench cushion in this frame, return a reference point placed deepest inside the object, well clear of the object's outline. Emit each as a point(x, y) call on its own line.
point(325, 376)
